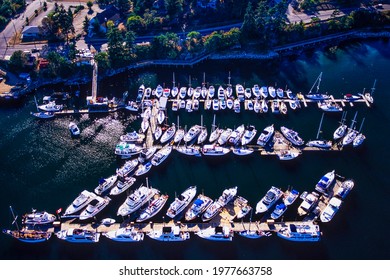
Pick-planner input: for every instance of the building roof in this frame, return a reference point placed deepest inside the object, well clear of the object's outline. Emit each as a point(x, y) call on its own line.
point(30, 30)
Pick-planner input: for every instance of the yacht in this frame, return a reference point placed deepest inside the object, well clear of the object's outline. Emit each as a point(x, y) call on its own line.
point(144, 125)
point(217, 205)
point(279, 92)
point(249, 104)
point(160, 116)
point(270, 198)
point(216, 233)
point(329, 106)
point(28, 236)
point(324, 183)
point(264, 91)
point(105, 184)
point(159, 91)
point(74, 129)
point(168, 134)
point(94, 207)
point(290, 197)
point(243, 206)
point(198, 207)
point(175, 105)
point(77, 235)
point(189, 105)
point(125, 234)
point(126, 150)
point(309, 202)
point(350, 137)
point(266, 135)
point(249, 134)
point(222, 104)
point(275, 106)
point(257, 106)
point(208, 104)
point(317, 96)
point(127, 168)
point(122, 186)
point(197, 92)
point(204, 92)
point(135, 200)
point(190, 91)
point(278, 211)
point(190, 150)
point(195, 105)
point(143, 168)
point(340, 131)
point(224, 136)
point(236, 135)
point(169, 234)
point(131, 137)
point(248, 93)
point(81, 201)
point(147, 154)
point(166, 92)
point(132, 106)
point(181, 202)
point(229, 91)
point(192, 133)
point(283, 107)
point(300, 232)
point(322, 144)
point(330, 210)
point(345, 188)
point(153, 208)
point(161, 155)
point(214, 150)
point(148, 92)
point(221, 92)
point(38, 218)
point(229, 103)
point(43, 115)
point(292, 136)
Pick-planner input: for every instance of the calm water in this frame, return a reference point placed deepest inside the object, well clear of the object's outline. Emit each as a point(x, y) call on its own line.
point(42, 167)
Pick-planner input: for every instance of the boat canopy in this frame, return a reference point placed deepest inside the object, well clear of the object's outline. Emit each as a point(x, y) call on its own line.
point(198, 202)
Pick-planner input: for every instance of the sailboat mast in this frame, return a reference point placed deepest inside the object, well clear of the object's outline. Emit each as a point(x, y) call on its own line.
point(361, 125)
point(229, 84)
point(319, 128)
point(354, 120)
point(373, 88)
point(15, 217)
point(173, 79)
point(317, 80)
point(36, 103)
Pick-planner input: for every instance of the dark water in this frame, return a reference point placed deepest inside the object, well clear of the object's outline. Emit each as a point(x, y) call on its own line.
point(42, 167)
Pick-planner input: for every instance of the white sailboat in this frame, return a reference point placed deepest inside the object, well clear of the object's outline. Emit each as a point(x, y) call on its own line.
point(360, 137)
point(342, 129)
point(320, 143)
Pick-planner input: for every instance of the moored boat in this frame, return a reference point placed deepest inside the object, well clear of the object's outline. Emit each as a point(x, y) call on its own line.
point(74, 129)
point(290, 196)
point(192, 133)
point(181, 202)
point(81, 201)
point(125, 234)
point(266, 135)
point(105, 184)
point(38, 218)
point(28, 236)
point(127, 168)
point(300, 232)
point(216, 233)
point(143, 168)
point(217, 206)
point(288, 154)
point(330, 210)
point(325, 182)
point(43, 115)
point(168, 134)
point(200, 204)
point(122, 186)
point(310, 200)
point(191, 151)
point(214, 150)
point(278, 211)
point(126, 150)
point(345, 188)
point(169, 234)
point(269, 199)
point(153, 208)
point(292, 136)
point(254, 234)
point(135, 200)
point(161, 155)
point(94, 207)
point(77, 235)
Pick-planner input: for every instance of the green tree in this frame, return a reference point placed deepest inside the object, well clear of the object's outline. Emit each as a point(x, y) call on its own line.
point(173, 7)
point(248, 28)
point(166, 46)
point(89, 5)
point(86, 24)
point(102, 60)
point(123, 6)
point(117, 53)
point(213, 41)
point(135, 23)
point(17, 61)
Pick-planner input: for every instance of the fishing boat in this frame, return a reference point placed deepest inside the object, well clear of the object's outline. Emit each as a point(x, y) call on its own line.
point(81, 201)
point(28, 236)
point(181, 202)
point(143, 168)
point(200, 204)
point(218, 204)
point(330, 209)
point(94, 207)
point(216, 233)
point(126, 150)
point(214, 150)
point(169, 234)
point(325, 182)
point(131, 137)
point(345, 188)
point(161, 155)
point(300, 232)
point(288, 154)
point(105, 184)
point(38, 218)
point(190, 150)
point(125, 234)
point(291, 136)
point(249, 134)
point(74, 129)
point(78, 235)
point(309, 202)
point(270, 198)
point(153, 208)
point(137, 199)
point(192, 133)
point(266, 135)
point(122, 186)
point(290, 197)
point(127, 168)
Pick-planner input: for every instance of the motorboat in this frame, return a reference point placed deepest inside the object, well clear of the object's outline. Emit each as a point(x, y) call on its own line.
point(345, 188)
point(78, 235)
point(218, 204)
point(195, 105)
point(135, 200)
point(256, 90)
point(175, 105)
point(292, 136)
point(38, 218)
point(229, 91)
point(350, 136)
point(153, 208)
point(215, 134)
point(74, 129)
point(143, 168)
point(182, 104)
point(179, 135)
point(216, 233)
point(203, 135)
point(94, 207)
point(131, 137)
point(146, 154)
point(174, 91)
point(349, 97)
point(236, 105)
point(190, 150)
point(211, 91)
point(265, 91)
point(278, 211)
point(81, 201)
point(266, 135)
point(224, 136)
point(157, 133)
point(190, 91)
point(222, 104)
point(105, 184)
point(330, 209)
point(183, 92)
point(240, 92)
point(288, 154)
point(249, 134)
point(160, 116)
point(169, 234)
point(229, 103)
point(181, 202)
point(214, 150)
point(359, 139)
point(329, 106)
point(290, 94)
point(317, 96)
point(197, 92)
point(51, 107)
point(270, 198)
point(122, 186)
point(294, 103)
point(236, 135)
point(127, 168)
point(340, 131)
point(126, 150)
point(207, 104)
point(189, 105)
point(275, 106)
point(221, 92)
point(107, 221)
point(141, 89)
point(324, 183)
point(248, 93)
point(257, 106)
point(279, 92)
point(300, 232)
point(254, 234)
point(203, 92)
point(161, 155)
point(309, 202)
point(28, 236)
point(290, 196)
point(159, 91)
point(166, 92)
point(200, 204)
point(147, 92)
point(132, 106)
point(243, 206)
point(144, 124)
point(283, 107)
point(264, 106)
point(43, 115)
point(242, 151)
point(192, 133)
point(168, 134)
point(215, 104)
point(125, 234)
point(322, 144)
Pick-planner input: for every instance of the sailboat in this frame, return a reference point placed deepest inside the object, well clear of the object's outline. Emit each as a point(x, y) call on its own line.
point(42, 114)
point(359, 139)
point(317, 95)
point(215, 132)
point(253, 234)
point(342, 129)
point(324, 144)
point(369, 95)
point(203, 133)
point(351, 134)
